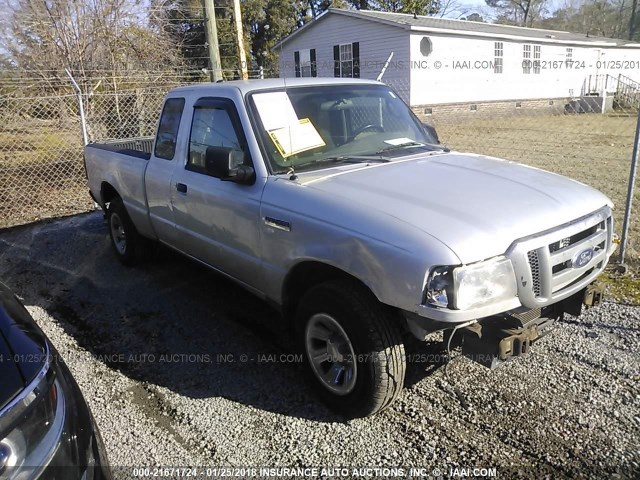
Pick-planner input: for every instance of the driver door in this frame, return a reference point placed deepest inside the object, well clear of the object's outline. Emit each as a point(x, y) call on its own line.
point(217, 221)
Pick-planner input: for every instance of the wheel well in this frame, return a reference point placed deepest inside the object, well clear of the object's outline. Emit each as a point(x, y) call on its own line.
point(304, 276)
point(108, 193)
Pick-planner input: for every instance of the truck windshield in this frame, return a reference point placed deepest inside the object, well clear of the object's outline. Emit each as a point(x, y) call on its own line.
point(314, 126)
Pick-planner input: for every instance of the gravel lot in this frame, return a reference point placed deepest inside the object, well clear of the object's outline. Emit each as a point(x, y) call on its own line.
point(151, 348)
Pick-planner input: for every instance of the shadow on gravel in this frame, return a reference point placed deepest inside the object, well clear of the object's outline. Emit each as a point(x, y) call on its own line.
point(170, 322)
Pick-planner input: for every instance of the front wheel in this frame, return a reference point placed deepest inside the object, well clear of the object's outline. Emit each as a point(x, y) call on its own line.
point(353, 348)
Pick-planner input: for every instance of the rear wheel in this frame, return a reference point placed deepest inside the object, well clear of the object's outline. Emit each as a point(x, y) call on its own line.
point(353, 349)
point(127, 243)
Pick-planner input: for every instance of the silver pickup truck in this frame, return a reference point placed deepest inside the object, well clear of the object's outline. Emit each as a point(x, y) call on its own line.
point(329, 199)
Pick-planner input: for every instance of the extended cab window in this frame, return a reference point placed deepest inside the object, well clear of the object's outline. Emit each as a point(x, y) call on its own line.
point(168, 129)
point(211, 127)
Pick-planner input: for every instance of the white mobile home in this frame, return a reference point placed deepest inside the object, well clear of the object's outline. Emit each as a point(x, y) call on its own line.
point(436, 61)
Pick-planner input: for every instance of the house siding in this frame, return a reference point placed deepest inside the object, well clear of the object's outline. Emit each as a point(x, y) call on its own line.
point(376, 43)
point(474, 79)
point(460, 67)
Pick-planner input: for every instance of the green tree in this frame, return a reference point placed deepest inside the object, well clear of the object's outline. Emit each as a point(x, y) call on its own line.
point(267, 22)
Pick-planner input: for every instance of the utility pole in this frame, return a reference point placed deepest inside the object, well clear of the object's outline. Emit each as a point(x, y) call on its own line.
point(242, 56)
point(211, 31)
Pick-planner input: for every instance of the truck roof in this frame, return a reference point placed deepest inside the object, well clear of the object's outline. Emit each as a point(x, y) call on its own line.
point(247, 86)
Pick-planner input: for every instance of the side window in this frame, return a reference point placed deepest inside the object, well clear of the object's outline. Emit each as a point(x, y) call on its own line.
point(168, 128)
point(211, 127)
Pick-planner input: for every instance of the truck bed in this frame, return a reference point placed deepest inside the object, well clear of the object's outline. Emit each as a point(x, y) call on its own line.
point(121, 163)
point(134, 147)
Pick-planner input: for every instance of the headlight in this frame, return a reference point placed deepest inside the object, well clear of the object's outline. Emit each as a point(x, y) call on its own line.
point(471, 286)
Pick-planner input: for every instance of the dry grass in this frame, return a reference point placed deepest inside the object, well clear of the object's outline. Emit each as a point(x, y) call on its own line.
point(41, 170)
point(593, 149)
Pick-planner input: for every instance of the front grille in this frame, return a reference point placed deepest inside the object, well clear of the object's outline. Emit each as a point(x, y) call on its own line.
point(555, 264)
point(534, 264)
point(573, 239)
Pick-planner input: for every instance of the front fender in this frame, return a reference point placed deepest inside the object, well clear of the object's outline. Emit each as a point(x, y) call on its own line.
point(388, 255)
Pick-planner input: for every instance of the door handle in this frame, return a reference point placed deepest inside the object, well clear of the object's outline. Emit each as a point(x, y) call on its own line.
point(181, 187)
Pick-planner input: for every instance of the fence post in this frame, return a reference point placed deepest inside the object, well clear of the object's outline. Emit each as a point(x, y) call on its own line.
point(83, 123)
point(630, 190)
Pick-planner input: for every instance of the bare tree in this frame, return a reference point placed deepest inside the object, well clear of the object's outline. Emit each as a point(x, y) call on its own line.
point(454, 9)
point(518, 12)
point(45, 37)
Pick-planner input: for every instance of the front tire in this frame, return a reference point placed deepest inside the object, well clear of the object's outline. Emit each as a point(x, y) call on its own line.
point(353, 348)
point(125, 239)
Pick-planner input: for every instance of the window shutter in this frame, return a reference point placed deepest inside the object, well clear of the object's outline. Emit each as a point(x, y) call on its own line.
point(314, 69)
point(336, 60)
point(355, 49)
point(296, 60)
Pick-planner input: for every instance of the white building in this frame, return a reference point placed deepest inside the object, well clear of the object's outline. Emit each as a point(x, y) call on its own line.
point(440, 61)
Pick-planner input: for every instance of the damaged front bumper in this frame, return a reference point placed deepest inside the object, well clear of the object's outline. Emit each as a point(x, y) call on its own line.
point(496, 339)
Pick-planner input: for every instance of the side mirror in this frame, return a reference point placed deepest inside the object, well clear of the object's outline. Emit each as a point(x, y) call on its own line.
point(431, 132)
point(228, 164)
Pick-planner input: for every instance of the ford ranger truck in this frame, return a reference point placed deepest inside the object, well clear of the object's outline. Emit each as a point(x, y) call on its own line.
point(330, 200)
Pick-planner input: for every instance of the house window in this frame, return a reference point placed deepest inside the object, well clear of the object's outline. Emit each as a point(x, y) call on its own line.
point(346, 59)
point(425, 46)
point(526, 59)
point(305, 63)
point(569, 57)
point(499, 55)
point(536, 59)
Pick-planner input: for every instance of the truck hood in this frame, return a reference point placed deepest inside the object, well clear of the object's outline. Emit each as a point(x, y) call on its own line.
point(476, 205)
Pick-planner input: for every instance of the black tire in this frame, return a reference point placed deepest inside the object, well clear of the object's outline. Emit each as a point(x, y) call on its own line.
point(376, 341)
point(129, 246)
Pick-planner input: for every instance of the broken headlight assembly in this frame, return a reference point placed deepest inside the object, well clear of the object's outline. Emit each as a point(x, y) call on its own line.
point(471, 286)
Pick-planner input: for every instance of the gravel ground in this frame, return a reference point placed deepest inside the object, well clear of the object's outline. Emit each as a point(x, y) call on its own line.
point(152, 350)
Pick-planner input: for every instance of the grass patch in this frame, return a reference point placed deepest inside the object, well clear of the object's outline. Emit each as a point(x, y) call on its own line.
point(622, 288)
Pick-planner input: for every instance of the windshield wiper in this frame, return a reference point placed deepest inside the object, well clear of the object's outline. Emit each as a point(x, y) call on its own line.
point(411, 144)
point(362, 159)
point(349, 159)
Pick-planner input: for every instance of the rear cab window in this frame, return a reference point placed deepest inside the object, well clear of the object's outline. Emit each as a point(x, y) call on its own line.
point(168, 128)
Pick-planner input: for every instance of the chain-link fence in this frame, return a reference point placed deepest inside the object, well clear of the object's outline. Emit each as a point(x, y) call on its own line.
point(41, 170)
point(41, 140)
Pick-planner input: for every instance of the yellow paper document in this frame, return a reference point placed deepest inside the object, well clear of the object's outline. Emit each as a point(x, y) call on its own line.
point(296, 138)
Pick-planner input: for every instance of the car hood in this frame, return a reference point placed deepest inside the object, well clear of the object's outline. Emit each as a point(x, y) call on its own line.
point(476, 205)
point(22, 345)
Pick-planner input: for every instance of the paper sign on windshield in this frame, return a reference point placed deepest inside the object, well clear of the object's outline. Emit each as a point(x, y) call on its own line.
point(289, 134)
point(399, 141)
point(296, 138)
point(275, 110)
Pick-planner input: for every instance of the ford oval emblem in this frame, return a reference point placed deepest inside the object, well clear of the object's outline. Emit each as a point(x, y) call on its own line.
point(582, 258)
